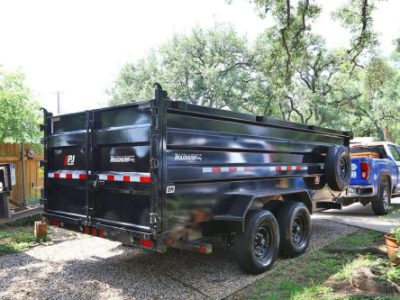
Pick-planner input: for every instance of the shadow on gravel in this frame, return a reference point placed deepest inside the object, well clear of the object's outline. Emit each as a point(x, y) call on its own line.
point(134, 273)
point(16, 271)
point(124, 272)
point(357, 209)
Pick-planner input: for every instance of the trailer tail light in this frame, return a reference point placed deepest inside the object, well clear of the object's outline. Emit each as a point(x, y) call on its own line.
point(145, 179)
point(55, 223)
point(202, 249)
point(146, 243)
point(365, 170)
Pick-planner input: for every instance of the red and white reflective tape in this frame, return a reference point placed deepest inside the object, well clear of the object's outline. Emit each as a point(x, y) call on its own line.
point(290, 168)
point(226, 169)
point(278, 169)
point(126, 177)
point(66, 174)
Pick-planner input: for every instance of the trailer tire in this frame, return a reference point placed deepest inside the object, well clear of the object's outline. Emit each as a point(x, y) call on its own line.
point(338, 168)
point(294, 228)
point(257, 247)
point(381, 201)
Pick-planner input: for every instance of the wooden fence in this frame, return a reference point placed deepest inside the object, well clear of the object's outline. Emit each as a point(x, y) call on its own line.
point(32, 154)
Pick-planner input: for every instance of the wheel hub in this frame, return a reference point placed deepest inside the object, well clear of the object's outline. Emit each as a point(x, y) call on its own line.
point(298, 230)
point(262, 242)
point(343, 168)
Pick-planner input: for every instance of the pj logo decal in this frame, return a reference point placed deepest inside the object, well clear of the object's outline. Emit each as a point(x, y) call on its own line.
point(69, 160)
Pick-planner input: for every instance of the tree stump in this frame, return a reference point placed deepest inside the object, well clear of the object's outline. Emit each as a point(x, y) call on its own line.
point(40, 230)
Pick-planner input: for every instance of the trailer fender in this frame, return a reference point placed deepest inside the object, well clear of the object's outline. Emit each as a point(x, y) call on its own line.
point(233, 207)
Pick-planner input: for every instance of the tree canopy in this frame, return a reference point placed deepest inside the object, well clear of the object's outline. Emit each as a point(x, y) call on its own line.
point(288, 72)
point(18, 111)
point(206, 67)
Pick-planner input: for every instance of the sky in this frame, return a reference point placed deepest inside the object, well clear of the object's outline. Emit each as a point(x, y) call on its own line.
point(77, 47)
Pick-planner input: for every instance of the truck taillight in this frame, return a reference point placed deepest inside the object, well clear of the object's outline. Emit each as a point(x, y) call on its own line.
point(147, 243)
point(365, 170)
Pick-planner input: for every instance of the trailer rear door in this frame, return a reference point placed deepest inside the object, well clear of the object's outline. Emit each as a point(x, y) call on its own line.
point(99, 167)
point(121, 162)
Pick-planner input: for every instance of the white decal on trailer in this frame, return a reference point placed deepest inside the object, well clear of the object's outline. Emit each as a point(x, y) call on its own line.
point(170, 189)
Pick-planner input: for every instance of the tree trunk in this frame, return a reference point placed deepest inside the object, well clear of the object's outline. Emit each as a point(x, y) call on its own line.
point(386, 134)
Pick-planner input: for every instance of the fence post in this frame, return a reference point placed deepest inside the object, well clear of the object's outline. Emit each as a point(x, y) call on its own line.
point(23, 174)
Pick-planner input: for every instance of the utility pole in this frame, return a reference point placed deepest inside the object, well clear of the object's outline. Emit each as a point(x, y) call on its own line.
point(58, 103)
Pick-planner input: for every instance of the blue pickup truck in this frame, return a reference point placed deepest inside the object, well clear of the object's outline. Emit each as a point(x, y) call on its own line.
point(375, 176)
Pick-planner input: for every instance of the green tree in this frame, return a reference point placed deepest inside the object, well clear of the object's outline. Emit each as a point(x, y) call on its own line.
point(378, 107)
point(295, 63)
point(19, 113)
point(289, 73)
point(206, 67)
point(135, 81)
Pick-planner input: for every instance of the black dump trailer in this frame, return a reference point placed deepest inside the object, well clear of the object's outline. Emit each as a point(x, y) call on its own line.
point(162, 173)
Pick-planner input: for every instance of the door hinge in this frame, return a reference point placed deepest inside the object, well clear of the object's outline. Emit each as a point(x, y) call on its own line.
point(153, 218)
point(89, 210)
point(153, 163)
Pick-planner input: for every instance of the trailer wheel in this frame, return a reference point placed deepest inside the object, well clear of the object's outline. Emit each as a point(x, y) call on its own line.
point(381, 201)
point(338, 168)
point(294, 227)
point(257, 247)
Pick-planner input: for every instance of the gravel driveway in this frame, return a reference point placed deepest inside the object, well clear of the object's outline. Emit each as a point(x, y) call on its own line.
point(85, 267)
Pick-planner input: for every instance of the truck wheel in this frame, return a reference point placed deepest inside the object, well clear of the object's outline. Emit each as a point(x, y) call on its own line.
point(381, 202)
point(338, 168)
point(294, 228)
point(257, 247)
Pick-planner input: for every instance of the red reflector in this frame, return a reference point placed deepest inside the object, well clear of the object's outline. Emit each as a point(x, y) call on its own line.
point(316, 180)
point(85, 229)
point(278, 168)
point(94, 231)
point(68, 176)
point(56, 175)
point(102, 233)
point(127, 178)
point(146, 243)
point(216, 169)
point(82, 176)
point(289, 168)
point(145, 179)
point(247, 169)
point(298, 168)
point(232, 169)
point(110, 177)
point(54, 223)
point(365, 168)
point(202, 249)
point(170, 242)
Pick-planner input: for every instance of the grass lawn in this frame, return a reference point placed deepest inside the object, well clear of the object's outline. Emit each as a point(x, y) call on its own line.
point(318, 275)
point(17, 236)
